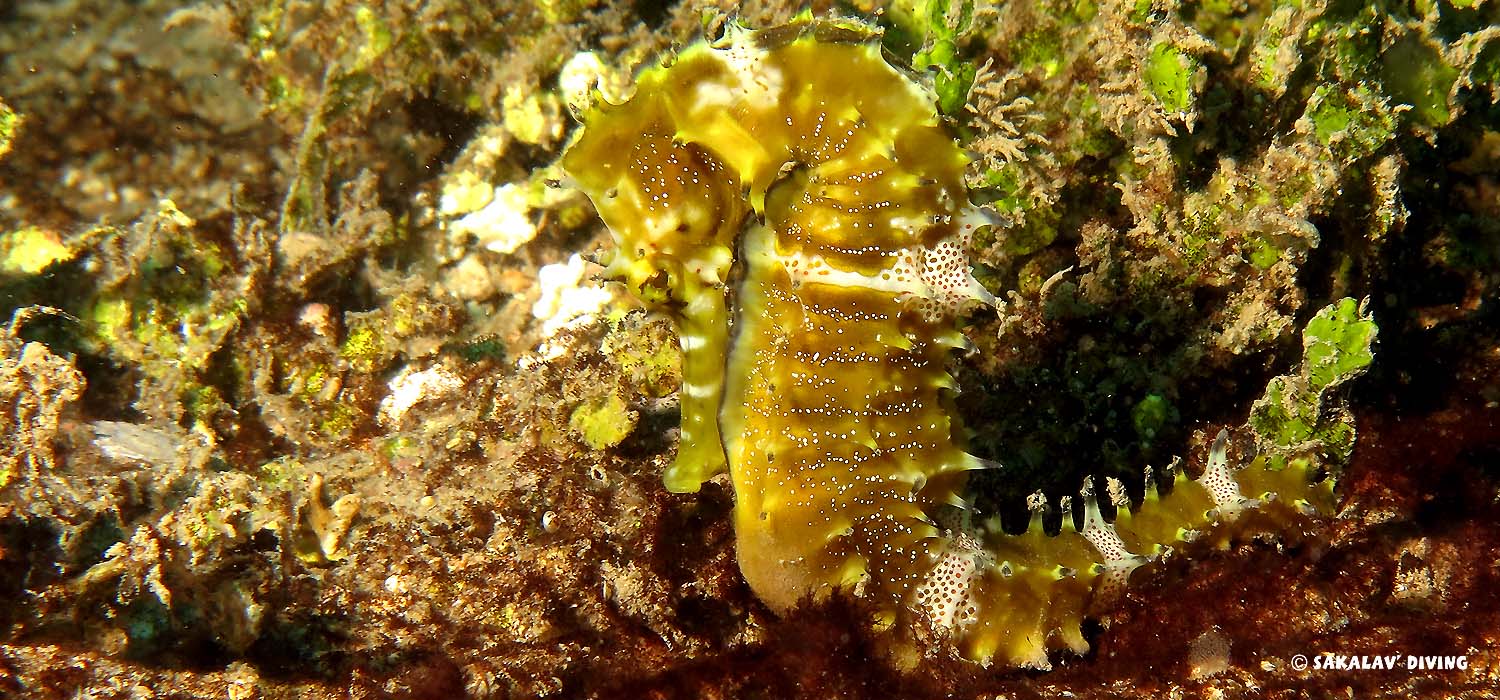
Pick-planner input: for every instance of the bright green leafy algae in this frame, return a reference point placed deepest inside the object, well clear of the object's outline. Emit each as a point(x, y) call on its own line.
point(1294, 418)
point(952, 74)
point(1337, 344)
point(1285, 415)
point(1169, 73)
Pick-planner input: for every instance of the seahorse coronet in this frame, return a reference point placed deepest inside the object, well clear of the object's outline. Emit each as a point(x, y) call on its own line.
point(795, 203)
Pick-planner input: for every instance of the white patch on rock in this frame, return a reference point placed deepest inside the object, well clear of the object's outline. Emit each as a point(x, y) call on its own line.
point(466, 192)
point(565, 301)
point(504, 224)
point(410, 387)
point(129, 442)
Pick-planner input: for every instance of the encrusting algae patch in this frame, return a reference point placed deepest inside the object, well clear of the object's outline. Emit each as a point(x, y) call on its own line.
point(796, 205)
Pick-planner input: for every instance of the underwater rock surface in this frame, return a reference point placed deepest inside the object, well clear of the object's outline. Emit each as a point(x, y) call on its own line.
point(311, 387)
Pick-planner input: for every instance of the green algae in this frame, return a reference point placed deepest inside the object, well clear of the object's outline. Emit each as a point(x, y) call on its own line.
point(1486, 69)
point(31, 250)
point(10, 125)
point(170, 298)
point(340, 420)
point(1168, 73)
point(943, 24)
point(1415, 73)
point(1040, 49)
point(1353, 124)
point(602, 423)
point(1263, 254)
point(1150, 415)
point(399, 447)
point(365, 346)
point(556, 11)
point(1014, 194)
point(1275, 52)
point(280, 474)
point(1337, 344)
point(376, 37)
point(647, 353)
point(1297, 415)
